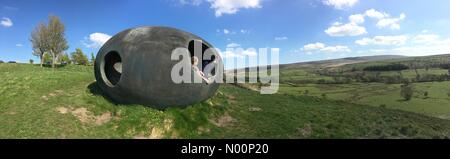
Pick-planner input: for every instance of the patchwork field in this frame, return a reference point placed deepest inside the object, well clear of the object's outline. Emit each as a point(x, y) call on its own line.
point(436, 103)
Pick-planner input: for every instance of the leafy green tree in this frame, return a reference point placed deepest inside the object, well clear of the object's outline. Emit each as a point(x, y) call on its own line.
point(407, 91)
point(56, 38)
point(65, 58)
point(425, 94)
point(47, 58)
point(49, 39)
point(38, 41)
point(31, 61)
point(92, 58)
point(79, 57)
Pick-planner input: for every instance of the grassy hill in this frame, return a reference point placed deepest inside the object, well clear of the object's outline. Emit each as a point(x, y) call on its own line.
point(66, 103)
point(340, 80)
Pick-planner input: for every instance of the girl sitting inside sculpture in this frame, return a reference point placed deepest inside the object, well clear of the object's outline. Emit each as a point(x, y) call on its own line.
point(194, 61)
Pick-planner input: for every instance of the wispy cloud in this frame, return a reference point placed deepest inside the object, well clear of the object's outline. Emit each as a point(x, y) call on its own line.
point(6, 22)
point(321, 47)
point(281, 38)
point(383, 40)
point(222, 7)
point(340, 4)
point(10, 8)
point(96, 40)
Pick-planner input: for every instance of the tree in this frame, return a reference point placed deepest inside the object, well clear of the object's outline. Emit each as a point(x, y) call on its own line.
point(31, 61)
point(49, 39)
point(38, 40)
point(92, 58)
point(425, 94)
point(65, 58)
point(46, 58)
point(306, 92)
point(57, 43)
point(79, 58)
point(407, 91)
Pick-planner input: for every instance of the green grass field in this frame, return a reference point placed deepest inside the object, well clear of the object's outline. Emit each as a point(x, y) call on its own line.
point(66, 103)
point(436, 104)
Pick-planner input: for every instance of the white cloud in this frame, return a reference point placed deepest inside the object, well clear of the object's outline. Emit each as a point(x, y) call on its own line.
point(238, 53)
point(384, 19)
point(337, 23)
point(383, 40)
point(340, 4)
point(364, 41)
point(441, 46)
point(313, 46)
point(356, 18)
point(191, 2)
point(392, 23)
point(426, 38)
point(372, 13)
point(19, 45)
point(419, 45)
point(354, 26)
point(6, 22)
point(233, 45)
point(338, 48)
point(233, 32)
point(230, 54)
point(281, 38)
point(320, 47)
point(96, 40)
point(232, 6)
point(349, 29)
point(226, 31)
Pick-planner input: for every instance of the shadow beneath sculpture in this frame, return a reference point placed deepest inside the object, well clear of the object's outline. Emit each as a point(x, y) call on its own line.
point(97, 91)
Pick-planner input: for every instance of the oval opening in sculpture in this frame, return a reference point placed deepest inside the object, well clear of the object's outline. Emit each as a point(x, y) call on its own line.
point(112, 68)
point(205, 62)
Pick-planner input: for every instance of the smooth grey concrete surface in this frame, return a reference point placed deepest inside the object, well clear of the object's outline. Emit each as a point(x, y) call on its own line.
point(134, 67)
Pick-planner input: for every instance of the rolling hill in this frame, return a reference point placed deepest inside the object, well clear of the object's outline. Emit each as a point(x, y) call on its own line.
point(66, 103)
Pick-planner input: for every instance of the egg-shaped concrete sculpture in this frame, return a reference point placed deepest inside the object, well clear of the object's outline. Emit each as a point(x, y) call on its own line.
point(134, 67)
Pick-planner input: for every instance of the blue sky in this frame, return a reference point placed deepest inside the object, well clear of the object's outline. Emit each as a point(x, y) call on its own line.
point(304, 30)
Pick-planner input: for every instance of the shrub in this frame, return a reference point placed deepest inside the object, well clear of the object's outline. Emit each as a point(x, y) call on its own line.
point(425, 94)
point(306, 92)
point(406, 91)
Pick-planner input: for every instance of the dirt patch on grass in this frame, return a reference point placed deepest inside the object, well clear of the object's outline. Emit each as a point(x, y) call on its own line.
point(82, 115)
point(254, 109)
point(231, 98)
point(224, 120)
point(44, 98)
point(62, 110)
point(11, 113)
point(59, 92)
point(159, 132)
point(85, 116)
point(306, 130)
point(102, 119)
point(52, 94)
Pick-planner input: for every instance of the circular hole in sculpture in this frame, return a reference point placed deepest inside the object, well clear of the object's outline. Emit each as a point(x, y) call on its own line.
point(112, 68)
point(201, 52)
